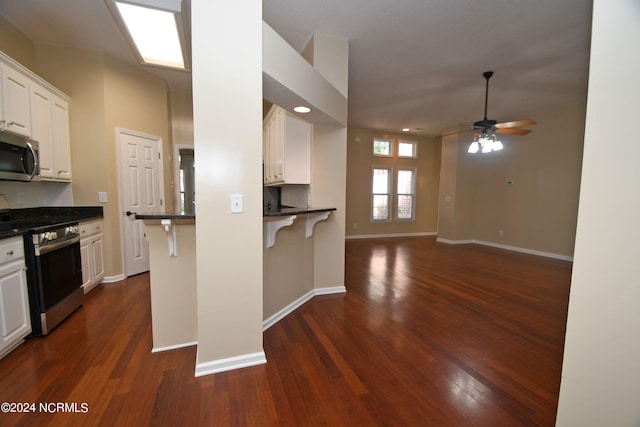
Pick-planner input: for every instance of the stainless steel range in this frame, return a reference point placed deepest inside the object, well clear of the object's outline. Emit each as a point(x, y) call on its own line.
point(54, 274)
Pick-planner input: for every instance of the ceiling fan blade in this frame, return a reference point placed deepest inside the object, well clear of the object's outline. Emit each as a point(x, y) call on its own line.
point(512, 131)
point(515, 124)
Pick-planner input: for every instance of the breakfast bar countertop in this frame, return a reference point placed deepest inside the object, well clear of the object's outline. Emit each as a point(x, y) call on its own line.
point(286, 211)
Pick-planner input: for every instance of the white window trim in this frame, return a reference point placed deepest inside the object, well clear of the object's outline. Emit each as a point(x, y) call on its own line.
point(391, 144)
point(389, 194)
point(415, 148)
point(414, 176)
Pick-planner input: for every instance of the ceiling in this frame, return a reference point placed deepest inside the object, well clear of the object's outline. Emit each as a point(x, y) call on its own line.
point(413, 63)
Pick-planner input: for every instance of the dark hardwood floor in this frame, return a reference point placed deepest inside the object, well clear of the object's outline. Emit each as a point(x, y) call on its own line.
point(428, 334)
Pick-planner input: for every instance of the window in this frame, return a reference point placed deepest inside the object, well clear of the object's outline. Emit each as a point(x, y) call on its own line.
point(408, 149)
point(381, 197)
point(382, 147)
point(405, 206)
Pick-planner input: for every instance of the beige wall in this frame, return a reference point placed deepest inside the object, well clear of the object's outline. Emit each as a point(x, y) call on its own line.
point(288, 268)
point(360, 162)
point(328, 189)
point(173, 292)
point(538, 210)
point(181, 133)
point(600, 371)
point(14, 43)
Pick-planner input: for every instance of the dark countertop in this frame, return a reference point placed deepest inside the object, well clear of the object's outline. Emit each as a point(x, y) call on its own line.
point(166, 215)
point(294, 211)
point(266, 214)
point(16, 222)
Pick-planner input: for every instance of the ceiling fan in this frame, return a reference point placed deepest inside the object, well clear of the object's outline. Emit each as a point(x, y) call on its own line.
point(484, 138)
point(487, 126)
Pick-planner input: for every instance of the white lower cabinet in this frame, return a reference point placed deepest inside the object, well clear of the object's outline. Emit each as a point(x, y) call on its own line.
point(15, 321)
point(91, 254)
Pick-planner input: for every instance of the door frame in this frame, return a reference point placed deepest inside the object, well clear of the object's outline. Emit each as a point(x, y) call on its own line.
point(176, 173)
point(118, 132)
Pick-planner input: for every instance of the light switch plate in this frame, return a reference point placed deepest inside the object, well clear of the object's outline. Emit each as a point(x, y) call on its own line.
point(102, 197)
point(236, 203)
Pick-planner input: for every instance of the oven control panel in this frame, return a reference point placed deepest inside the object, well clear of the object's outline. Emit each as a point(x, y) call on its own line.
point(44, 237)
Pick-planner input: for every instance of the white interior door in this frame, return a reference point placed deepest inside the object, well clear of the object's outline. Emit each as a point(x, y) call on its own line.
point(141, 192)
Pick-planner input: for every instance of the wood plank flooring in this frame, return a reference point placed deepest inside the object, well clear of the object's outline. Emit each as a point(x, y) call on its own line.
point(428, 334)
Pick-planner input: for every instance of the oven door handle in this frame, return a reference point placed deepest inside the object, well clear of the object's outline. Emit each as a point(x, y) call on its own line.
point(41, 250)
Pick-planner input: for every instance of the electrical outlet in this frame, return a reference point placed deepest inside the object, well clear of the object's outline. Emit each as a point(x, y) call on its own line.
point(20, 197)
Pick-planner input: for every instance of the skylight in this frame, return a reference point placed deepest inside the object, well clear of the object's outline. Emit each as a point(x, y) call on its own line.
point(155, 34)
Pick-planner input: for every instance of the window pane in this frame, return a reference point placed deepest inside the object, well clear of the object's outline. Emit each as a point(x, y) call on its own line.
point(381, 147)
point(380, 181)
point(405, 207)
point(405, 182)
point(407, 149)
point(380, 207)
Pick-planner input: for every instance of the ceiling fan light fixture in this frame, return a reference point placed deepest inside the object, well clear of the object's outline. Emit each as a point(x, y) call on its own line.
point(485, 143)
point(474, 147)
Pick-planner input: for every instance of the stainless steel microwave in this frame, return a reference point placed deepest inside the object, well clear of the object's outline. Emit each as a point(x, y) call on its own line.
point(18, 158)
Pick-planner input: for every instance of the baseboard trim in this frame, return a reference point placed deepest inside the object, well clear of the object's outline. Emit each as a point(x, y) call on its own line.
point(330, 290)
point(173, 347)
point(230, 363)
point(455, 242)
point(377, 236)
point(272, 320)
point(113, 279)
point(524, 250)
point(506, 247)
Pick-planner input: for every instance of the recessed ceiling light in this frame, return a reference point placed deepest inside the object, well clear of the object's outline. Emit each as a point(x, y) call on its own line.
point(302, 109)
point(406, 130)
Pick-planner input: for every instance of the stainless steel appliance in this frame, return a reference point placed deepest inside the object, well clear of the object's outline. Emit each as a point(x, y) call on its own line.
point(54, 274)
point(18, 158)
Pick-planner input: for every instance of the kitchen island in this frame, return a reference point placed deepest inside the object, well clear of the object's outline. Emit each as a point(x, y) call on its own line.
point(288, 270)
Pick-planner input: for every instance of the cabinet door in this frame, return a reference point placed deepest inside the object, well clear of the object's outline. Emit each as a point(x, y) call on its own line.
point(85, 257)
point(297, 151)
point(15, 99)
point(61, 142)
point(278, 148)
point(41, 117)
point(268, 152)
point(15, 323)
point(98, 263)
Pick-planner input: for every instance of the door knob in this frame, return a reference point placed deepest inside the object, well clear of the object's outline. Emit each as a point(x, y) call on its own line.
point(129, 213)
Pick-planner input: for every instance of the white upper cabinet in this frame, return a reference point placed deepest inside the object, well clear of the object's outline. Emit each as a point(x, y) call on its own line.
point(15, 115)
point(61, 142)
point(286, 148)
point(41, 100)
point(32, 107)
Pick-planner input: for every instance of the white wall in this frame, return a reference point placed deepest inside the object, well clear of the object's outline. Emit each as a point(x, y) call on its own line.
point(601, 369)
